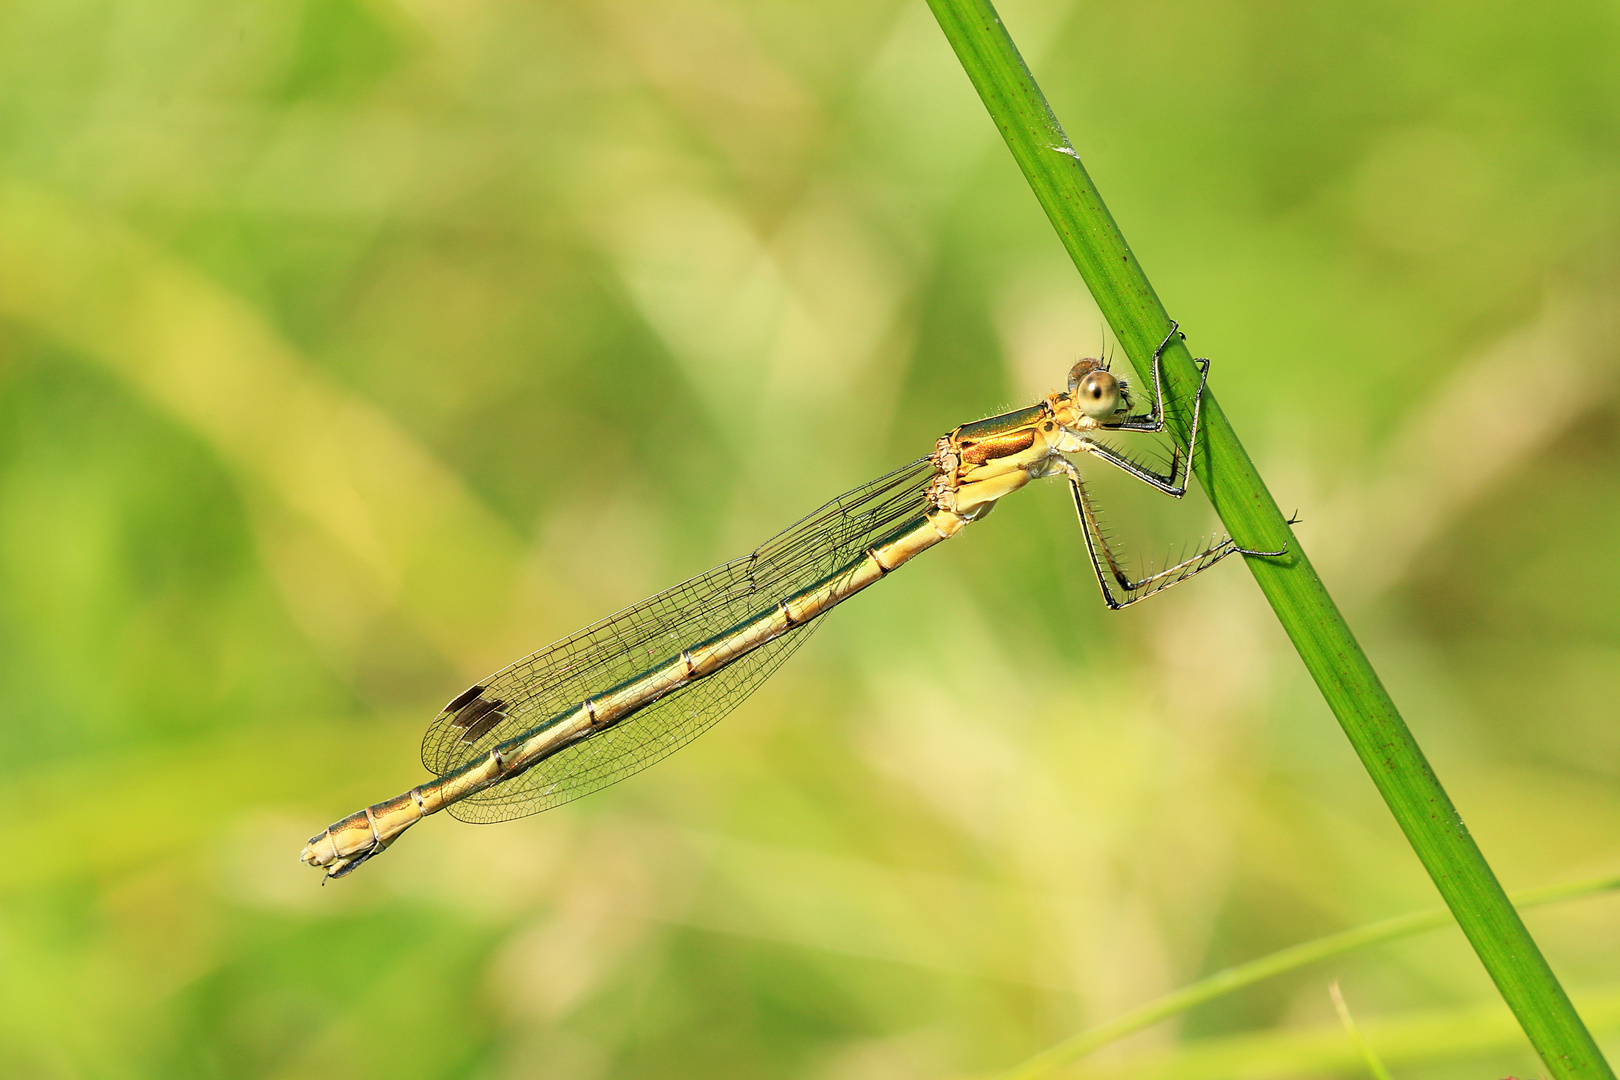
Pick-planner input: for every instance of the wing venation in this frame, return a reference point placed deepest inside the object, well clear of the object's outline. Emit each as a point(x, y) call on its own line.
point(606, 654)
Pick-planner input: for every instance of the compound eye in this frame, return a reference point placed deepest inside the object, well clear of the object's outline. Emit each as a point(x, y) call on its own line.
point(1097, 394)
point(1080, 370)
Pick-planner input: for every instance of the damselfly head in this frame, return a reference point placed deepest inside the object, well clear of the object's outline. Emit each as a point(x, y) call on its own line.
point(1096, 390)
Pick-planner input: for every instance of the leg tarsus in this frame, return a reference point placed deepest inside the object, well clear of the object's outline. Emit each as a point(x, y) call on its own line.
point(1293, 520)
point(1175, 328)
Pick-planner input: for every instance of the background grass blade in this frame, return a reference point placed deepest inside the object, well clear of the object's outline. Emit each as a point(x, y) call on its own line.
point(1229, 980)
point(1375, 1065)
point(1405, 1041)
point(1313, 623)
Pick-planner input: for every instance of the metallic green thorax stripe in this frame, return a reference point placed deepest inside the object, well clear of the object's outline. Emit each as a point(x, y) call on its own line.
point(995, 425)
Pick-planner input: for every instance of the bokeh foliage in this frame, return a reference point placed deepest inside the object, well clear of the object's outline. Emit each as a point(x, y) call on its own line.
point(350, 349)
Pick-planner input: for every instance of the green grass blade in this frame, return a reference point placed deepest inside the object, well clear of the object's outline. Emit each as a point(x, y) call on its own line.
point(1408, 1040)
point(1330, 652)
point(1374, 1064)
point(1229, 980)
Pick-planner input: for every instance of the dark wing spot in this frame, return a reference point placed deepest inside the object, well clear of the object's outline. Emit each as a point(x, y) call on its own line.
point(464, 697)
point(486, 720)
point(474, 711)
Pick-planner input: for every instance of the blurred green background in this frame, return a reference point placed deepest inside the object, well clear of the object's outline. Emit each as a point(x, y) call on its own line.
point(350, 349)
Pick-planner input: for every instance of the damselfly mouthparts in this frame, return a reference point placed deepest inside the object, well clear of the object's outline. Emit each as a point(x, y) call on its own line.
point(617, 696)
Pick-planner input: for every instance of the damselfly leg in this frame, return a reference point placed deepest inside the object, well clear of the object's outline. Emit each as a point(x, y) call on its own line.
point(1110, 568)
point(1152, 422)
point(1105, 559)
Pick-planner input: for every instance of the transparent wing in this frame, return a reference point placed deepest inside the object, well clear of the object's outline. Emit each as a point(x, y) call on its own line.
point(614, 753)
point(528, 693)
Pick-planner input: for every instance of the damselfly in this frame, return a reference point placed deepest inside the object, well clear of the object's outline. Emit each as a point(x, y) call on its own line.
point(613, 698)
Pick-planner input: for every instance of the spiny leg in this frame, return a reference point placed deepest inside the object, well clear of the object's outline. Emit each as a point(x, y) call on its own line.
point(1111, 572)
point(1165, 482)
point(1153, 419)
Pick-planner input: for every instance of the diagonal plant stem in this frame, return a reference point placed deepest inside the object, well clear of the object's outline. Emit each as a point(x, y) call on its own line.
point(1307, 614)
